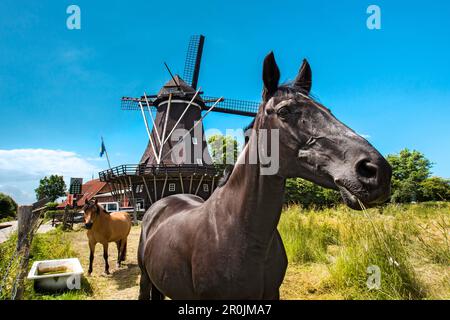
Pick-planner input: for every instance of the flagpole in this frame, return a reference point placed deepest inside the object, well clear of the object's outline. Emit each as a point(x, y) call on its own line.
point(106, 153)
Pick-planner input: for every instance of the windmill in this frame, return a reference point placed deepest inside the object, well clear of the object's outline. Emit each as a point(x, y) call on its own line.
point(176, 159)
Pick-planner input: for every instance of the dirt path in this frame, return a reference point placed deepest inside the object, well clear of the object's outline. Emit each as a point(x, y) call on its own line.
point(121, 284)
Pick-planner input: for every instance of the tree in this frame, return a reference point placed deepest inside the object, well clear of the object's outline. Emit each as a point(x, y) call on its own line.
point(409, 170)
point(224, 149)
point(8, 207)
point(51, 187)
point(435, 189)
point(309, 194)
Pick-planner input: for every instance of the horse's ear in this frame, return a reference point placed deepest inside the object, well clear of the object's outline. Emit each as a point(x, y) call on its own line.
point(86, 201)
point(304, 77)
point(271, 76)
point(95, 201)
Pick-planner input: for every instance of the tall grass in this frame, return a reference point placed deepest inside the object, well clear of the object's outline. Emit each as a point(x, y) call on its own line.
point(307, 236)
point(373, 241)
point(394, 239)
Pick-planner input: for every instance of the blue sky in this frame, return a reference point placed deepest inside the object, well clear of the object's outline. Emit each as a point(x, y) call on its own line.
point(60, 89)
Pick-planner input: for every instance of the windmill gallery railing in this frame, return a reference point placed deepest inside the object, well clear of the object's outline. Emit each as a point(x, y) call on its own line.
point(146, 184)
point(156, 170)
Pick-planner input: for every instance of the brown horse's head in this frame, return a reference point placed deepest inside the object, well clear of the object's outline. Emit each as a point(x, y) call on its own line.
point(91, 211)
point(316, 146)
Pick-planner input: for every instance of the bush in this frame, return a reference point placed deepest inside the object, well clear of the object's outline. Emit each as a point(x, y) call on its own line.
point(435, 189)
point(51, 205)
point(409, 169)
point(50, 213)
point(299, 191)
point(8, 207)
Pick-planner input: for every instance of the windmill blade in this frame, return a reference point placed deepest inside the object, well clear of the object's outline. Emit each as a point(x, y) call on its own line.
point(129, 103)
point(193, 60)
point(232, 106)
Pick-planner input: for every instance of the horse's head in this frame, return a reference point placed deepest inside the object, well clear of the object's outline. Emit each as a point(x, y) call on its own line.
point(316, 146)
point(91, 211)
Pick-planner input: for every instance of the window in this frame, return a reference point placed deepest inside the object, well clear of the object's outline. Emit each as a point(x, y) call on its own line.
point(199, 161)
point(171, 187)
point(194, 140)
point(205, 187)
point(139, 204)
point(112, 207)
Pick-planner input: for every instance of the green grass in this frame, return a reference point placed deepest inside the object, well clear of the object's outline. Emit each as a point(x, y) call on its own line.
point(51, 245)
point(403, 241)
point(307, 236)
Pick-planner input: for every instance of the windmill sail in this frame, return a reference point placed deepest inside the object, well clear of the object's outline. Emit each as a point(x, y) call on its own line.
point(193, 60)
point(233, 106)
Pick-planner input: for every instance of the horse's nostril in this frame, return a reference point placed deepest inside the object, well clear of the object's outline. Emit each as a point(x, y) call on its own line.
point(366, 169)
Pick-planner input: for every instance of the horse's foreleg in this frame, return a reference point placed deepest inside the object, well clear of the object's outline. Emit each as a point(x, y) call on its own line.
point(105, 256)
point(123, 250)
point(91, 255)
point(119, 252)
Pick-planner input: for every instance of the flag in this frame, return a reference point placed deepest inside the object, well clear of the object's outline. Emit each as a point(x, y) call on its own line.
point(102, 149)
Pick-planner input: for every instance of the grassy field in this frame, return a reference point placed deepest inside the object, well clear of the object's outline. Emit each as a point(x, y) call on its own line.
point(329, 252)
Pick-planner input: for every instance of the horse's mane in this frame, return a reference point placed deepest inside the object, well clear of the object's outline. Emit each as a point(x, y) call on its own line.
point(89, 204)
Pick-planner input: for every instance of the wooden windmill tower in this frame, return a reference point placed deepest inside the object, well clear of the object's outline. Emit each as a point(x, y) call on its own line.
point(176, 159)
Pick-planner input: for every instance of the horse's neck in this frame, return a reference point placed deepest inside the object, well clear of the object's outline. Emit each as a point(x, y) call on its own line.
point(257, 199)
point(102, 218)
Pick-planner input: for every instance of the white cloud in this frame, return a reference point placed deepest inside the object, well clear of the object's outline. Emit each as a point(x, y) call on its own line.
point(21, 170)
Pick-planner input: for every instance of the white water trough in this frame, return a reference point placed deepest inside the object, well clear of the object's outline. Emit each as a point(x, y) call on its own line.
point(56, 275)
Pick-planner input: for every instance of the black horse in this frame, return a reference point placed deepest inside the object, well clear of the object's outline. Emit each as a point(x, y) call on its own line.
point(228, 247)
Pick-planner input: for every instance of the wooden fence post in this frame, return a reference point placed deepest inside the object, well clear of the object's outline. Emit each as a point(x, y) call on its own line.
point(25, 226)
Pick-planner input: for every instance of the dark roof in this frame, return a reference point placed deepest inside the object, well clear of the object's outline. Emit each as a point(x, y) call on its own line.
point(172, 85)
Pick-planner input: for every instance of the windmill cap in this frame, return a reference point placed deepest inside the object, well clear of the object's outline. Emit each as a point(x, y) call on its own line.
point(179, 89)
point(174, 85)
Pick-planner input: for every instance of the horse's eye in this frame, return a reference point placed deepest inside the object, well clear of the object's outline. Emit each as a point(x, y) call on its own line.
point(283, 112)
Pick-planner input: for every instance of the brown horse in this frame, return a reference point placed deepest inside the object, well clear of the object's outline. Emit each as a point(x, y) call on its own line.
point(228, 247)
point(104, 227)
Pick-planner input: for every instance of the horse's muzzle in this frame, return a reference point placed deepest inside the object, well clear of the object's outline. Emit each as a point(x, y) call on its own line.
point(88, 225)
